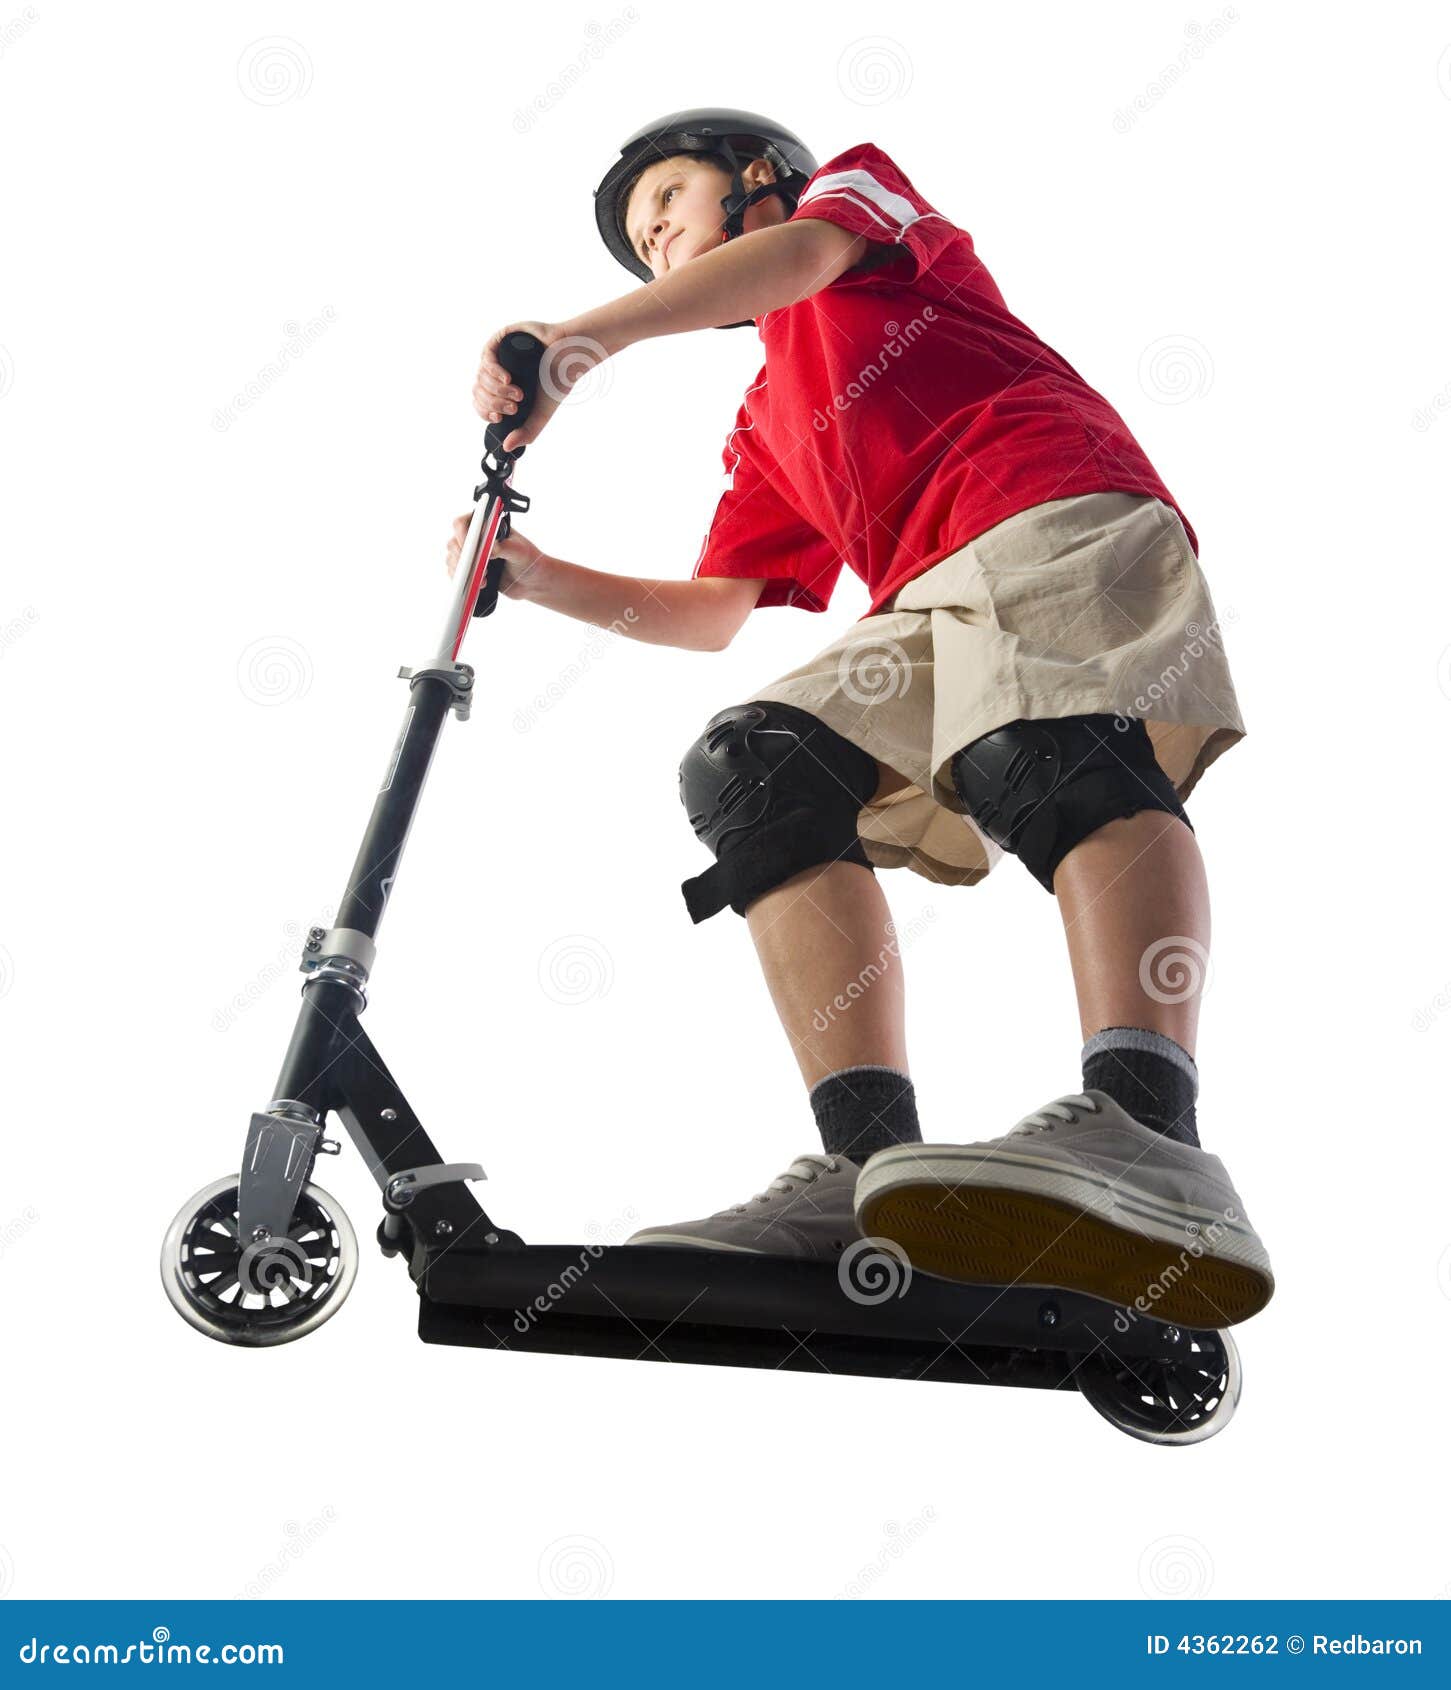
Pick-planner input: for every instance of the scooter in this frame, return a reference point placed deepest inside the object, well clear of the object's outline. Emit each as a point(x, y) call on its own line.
point(265, 1256)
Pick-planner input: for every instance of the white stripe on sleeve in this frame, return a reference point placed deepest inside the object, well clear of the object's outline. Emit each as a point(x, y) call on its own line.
point(865, 191)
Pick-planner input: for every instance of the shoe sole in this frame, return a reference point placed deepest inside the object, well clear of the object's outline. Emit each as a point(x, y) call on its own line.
point(993, 1235)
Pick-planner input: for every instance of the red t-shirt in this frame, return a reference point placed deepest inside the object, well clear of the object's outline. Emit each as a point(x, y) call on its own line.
point(901, 411)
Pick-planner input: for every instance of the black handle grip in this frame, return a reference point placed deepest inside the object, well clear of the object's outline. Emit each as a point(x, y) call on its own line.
point(521, 355)
point(489, 592)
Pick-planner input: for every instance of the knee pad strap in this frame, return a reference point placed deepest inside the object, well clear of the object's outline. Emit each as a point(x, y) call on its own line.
point(1038, 788)
point(771, 790)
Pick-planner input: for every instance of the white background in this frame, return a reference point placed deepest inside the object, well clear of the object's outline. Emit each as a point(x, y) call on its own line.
point(203, 609)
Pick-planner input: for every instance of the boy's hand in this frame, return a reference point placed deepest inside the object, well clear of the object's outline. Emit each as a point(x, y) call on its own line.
point(567, 357)
point(520, 556)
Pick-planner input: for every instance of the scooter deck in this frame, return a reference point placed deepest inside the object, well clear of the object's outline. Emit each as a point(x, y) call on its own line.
point(736, 1309)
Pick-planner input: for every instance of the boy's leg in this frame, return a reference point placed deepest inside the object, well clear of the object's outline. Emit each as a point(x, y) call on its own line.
point(1107, 1194)
point(1135, 907)
point(833, 966)
point(829, 954)
point(830, 957)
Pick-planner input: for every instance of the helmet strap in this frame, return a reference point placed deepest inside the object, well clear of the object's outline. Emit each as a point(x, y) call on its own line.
point(738, 201)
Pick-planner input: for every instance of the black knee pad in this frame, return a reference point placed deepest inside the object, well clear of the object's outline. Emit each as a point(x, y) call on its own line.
point(1040, 788)
point(771, 790)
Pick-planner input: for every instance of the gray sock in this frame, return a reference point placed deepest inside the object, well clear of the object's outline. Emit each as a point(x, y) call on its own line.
point(1149, 1075)
point(862, 1110)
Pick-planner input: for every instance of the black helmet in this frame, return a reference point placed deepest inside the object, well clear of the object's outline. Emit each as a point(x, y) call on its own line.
point(706, 130)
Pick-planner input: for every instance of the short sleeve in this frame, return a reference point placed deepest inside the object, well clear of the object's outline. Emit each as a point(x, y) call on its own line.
point(863, 192)
point(755, 535)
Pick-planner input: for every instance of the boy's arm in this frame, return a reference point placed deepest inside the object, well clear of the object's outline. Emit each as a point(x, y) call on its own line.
point(745, 278)
point(700, 615)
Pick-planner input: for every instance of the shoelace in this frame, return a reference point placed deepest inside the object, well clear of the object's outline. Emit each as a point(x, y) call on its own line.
point(1047, 1118)
point(801, 1172)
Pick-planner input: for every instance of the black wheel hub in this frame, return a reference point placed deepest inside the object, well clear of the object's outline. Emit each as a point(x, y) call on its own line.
point(272, 1284)
point(1161, 1398)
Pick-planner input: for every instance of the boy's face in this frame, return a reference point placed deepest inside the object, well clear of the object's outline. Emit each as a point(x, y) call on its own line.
point(674, 212)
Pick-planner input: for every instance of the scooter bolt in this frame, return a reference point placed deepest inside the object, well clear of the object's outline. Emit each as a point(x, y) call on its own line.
point(259, 1233)
point(442, 1229)
point(390, 1114)
point(1048, 1315)
point(1173, 1334)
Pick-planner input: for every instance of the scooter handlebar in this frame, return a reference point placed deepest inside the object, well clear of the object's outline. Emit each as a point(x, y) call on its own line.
point(521, 355)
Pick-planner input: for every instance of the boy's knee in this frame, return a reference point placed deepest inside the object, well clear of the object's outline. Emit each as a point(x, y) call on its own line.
point(772, 790)
point(1038, 788)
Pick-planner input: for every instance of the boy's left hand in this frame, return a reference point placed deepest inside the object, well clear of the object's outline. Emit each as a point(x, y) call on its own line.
point(567, 357)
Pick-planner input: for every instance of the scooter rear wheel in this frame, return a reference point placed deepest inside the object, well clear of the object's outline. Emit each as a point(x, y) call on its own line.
point(263, 1293)
point(1179, 1401)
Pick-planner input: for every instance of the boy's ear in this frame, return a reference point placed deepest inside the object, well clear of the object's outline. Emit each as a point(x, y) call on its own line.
point(758, 172)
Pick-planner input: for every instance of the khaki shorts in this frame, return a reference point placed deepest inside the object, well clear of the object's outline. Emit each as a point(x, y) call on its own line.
point(1081, 606)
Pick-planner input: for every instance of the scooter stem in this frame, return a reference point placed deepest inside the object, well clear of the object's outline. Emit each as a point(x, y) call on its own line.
point(521, 355)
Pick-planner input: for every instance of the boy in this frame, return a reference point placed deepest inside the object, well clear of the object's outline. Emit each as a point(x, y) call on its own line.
point(1032, 586)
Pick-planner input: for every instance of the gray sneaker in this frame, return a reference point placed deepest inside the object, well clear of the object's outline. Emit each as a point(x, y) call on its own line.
point(1081, 1197)
point(805, 1212)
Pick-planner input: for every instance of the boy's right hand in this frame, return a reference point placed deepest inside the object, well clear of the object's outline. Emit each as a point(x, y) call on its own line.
point(520, 556)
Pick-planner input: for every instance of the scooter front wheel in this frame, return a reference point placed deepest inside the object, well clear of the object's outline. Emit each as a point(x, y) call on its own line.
point(266, 1292)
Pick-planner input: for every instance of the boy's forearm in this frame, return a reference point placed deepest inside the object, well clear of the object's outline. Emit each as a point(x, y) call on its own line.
point(744, 279)
point(655, 612)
